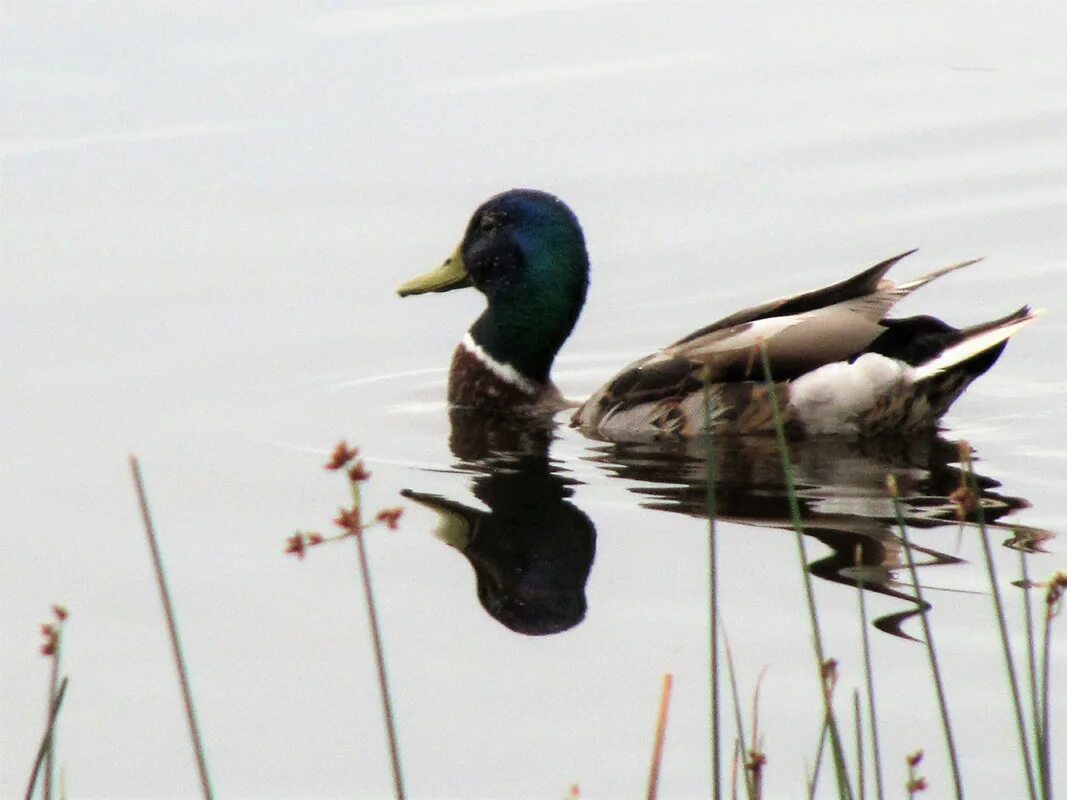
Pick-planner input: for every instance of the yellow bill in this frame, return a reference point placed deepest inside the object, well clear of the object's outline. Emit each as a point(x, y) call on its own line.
point(450, 275)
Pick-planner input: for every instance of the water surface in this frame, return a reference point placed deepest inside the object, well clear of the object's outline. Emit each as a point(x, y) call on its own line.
point(206, 213)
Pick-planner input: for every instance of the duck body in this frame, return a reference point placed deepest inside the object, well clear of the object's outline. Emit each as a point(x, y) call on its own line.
point(840, 365)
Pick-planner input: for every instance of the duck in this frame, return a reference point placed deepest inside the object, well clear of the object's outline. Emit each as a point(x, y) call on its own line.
point(837, 363)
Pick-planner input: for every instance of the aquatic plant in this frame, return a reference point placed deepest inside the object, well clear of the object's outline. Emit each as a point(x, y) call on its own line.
point(843, 785)
point(916, 783)
point(172, 630)
point(51, 648)
point(967, 499)
point(928, 640)
point(661, 733)
point(350, 520)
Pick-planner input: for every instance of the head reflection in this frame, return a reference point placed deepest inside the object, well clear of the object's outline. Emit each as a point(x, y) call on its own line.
point(533, 549)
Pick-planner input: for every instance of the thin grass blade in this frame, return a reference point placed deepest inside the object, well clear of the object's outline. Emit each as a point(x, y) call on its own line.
point(935, 668)
point(1002, 625)
point(844, 786)
point(46, 738)
point(172, 630)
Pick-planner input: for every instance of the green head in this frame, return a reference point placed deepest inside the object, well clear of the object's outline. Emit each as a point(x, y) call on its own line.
point(524, 251)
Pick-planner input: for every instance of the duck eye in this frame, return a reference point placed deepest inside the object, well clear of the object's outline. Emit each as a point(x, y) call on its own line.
point(489, 222)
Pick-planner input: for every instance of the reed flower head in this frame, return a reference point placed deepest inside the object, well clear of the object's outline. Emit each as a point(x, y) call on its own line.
point(1057, 585)
point(357, 473)
point(964, 500)
point(51, 631)
point(829, 673)
point(390, 516)
point(349, 519)
point(341, 455)
point(295, 544)
point(916, 782)
point(51, 640)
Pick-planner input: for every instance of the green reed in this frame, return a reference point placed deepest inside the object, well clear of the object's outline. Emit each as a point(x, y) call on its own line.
point(1057, 585)
point(710, 503)
point(750, 790)
point(857, 715)
point(868, 673)
point(820, 750)
point(928, 637)
point(53, 690)
point(998, 608)
point(1031, 675)
point(46, 739)
point(844, 787)
point(756, 759)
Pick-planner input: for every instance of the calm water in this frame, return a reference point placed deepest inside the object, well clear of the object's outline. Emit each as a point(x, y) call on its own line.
point(206, 213)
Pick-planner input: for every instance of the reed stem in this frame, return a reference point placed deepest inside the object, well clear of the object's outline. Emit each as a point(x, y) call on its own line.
point(1044, 756)
point(868, 673)
point(710, 502)
point(172, 629)
point(46, 739)
point(844, 787)
point(50, 755)
point(1031, 674)
point(819, 750)
point(1002, 626)
point(1053, 605)
point(661, 732)
point(928, 636)
point(738, 721)
point(379, 655)
point(861, 785)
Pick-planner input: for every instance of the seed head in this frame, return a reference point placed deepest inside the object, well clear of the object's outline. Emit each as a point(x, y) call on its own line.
point(349, 519)
point(1057, 585)
point(390, 516)
point(965, 501)
point(917, 784)
point(357, 473)
point(341, 455)
point(295, 544)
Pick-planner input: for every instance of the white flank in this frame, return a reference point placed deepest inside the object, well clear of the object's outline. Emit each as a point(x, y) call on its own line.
point(505, 372)
point(971, 346)
point(831, 398)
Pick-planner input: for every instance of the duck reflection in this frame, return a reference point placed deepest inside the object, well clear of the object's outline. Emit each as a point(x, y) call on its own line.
point(533, 549)
point(841, 488)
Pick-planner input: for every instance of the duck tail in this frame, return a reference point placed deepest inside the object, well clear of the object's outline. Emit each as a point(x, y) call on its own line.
point(978, 346)
point(902, 290)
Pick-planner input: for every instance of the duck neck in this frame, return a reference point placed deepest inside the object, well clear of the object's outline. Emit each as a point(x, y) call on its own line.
point(525, 334)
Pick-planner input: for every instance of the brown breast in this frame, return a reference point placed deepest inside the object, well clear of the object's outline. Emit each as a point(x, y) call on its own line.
point(473, 384)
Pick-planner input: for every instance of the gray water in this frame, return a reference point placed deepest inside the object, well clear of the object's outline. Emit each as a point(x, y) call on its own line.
point(206, 213)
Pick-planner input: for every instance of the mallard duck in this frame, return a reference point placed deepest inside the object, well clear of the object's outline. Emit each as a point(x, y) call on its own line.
point(839, 364)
